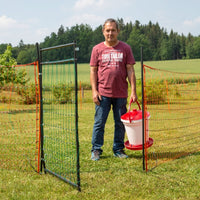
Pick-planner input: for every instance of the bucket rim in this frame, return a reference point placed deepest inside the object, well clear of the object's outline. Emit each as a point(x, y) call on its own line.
point(134, 121)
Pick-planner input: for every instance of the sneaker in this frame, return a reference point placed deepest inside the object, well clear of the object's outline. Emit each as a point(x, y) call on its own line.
point(120, 154)
point(95, 155)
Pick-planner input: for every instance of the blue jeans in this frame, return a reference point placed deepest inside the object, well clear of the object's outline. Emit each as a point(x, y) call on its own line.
point(101, 115)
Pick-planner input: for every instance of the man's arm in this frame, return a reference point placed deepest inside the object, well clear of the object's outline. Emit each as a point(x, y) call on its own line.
point(132, 81)
point(93, 80)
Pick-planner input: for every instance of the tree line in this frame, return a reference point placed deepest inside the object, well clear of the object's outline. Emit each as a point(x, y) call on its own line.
point(157, 43)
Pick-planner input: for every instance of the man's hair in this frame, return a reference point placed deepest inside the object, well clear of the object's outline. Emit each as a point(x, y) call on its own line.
point(110, 20)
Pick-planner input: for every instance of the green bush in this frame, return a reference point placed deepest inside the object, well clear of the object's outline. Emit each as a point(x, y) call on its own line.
point(4, 99)
point(27, 93)
point(156, 93)
point(62, 93)
point(174, 90)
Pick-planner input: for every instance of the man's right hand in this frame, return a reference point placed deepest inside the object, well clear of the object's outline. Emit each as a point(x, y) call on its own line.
point(96, 98)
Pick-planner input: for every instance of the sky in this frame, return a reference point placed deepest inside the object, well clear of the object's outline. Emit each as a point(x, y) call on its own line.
point(33, 20)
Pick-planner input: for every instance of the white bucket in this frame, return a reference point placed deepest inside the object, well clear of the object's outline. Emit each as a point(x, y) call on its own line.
point(132, 121)
point(134, 131)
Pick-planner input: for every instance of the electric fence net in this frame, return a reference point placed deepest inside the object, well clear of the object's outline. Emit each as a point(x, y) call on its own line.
point(19, 117)
point(172, 98)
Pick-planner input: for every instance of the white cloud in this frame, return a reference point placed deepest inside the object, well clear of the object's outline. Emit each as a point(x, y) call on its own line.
point(190, 26)
point(12, 31)
point(10, 23)
point(7, 22)
point(193, 22)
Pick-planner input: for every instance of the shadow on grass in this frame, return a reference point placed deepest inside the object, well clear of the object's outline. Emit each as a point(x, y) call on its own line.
point(156, 159)
point(172, 155)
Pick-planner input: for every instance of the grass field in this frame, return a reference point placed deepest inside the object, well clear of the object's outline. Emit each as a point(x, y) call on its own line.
point(111, 178)
point(188, 66)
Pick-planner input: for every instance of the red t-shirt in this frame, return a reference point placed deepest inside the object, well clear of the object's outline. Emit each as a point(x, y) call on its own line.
point(112, 72)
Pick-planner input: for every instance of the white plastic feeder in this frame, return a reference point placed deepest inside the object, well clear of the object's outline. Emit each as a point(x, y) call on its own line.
point(132, 121)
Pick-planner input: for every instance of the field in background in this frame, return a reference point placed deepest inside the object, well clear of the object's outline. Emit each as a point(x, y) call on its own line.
point(111, 178)
point(187, 66)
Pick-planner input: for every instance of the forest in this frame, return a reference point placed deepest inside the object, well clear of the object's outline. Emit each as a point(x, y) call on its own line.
point(157, 43)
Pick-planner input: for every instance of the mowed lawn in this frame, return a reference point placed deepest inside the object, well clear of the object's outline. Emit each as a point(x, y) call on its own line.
point(111, 178)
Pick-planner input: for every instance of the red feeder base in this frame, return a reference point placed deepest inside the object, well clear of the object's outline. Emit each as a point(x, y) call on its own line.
point(137, 147)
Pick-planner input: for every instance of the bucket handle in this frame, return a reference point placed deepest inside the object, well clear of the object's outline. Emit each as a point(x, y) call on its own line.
point(131, 101)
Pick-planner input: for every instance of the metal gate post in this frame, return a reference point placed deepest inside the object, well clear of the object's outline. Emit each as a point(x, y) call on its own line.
point(42, 162)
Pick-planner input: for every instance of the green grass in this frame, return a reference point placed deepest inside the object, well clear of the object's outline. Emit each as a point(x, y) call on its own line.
point(186, 66)
point(110, 177)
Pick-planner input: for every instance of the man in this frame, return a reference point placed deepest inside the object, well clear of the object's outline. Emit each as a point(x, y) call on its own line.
point(111, 63)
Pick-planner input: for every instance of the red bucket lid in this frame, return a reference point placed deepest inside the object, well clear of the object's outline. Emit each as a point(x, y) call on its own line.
point(134, 115)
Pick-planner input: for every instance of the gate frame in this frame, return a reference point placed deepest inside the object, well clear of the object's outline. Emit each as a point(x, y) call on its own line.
point(40, 63)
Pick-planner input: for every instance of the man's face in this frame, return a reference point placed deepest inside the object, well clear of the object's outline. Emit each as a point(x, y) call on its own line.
point(110, 33)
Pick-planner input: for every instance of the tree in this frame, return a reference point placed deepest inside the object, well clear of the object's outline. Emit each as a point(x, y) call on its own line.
point(21, 44)
point(196, 47)
point(97, 36)
point(7, 72)
point(193, 47)
point(125, 31)
point(175, 43)
point(84, 40)
point(157, 43)
point(189, 46)
point(24, 57)
point(154, 34)
point(6, 59)
point(61, 31)
point(138, 40)
point(166, 49)
point(182, 46)
point(3, 47)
